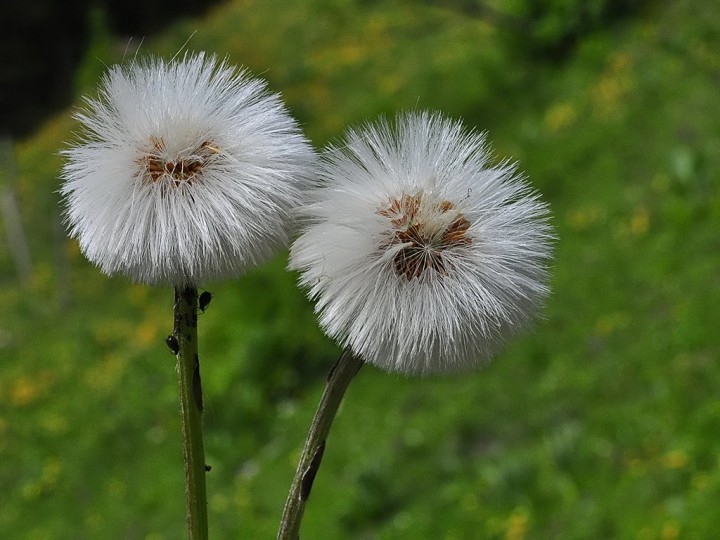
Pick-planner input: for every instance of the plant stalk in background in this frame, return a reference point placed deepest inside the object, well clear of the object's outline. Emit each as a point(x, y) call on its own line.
point(337, 383)
point(191, 408)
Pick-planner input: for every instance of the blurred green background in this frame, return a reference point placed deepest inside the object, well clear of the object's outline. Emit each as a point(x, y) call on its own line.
point(602, 422)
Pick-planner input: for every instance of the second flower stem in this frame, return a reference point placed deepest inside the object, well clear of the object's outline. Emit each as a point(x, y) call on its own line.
point(337, 382)
point(191, 408)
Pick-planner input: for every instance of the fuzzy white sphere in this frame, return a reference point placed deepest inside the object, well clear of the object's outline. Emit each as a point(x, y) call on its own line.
point(422, 256)
point(188, 171)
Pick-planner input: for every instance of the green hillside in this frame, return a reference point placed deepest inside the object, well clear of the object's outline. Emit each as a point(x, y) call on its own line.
point(603, 422)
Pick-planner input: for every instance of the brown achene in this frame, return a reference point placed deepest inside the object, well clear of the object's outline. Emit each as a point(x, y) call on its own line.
point(425, 231)
point(178, 170)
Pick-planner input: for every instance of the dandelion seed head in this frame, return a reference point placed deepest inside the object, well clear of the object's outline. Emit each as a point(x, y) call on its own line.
point(186, 171)
point(422, 256)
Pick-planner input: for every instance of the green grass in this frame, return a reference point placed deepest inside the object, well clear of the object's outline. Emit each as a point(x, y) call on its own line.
point(603, 422)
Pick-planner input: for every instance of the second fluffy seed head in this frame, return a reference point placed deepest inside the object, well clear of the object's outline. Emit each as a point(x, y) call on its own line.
point(423, 256)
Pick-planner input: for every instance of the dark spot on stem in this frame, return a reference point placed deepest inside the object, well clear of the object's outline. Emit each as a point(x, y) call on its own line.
point(308, 478)
point(333, 368)
point(208, 468)
point(197, 385)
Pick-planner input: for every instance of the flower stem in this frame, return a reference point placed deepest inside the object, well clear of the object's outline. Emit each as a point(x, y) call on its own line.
point(337, 382)
point(191, 408)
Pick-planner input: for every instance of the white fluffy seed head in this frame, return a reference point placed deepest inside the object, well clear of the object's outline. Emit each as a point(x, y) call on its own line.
point(187, 171)
point(421, 255)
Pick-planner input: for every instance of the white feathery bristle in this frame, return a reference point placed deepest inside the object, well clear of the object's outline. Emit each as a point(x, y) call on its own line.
point(421, 255)
point(188, 171)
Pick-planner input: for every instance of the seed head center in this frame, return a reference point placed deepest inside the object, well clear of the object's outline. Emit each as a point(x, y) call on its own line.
point(157, 166)
point(425, 228)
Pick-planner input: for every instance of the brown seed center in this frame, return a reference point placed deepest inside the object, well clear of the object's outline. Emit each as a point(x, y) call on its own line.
point(182, 168)
point(425, 229)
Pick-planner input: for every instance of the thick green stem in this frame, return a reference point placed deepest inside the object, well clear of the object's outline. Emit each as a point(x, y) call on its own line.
point(191, 408)
point(337, 382)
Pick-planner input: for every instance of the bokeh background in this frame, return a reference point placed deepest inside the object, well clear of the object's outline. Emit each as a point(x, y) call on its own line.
point(602, 422)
